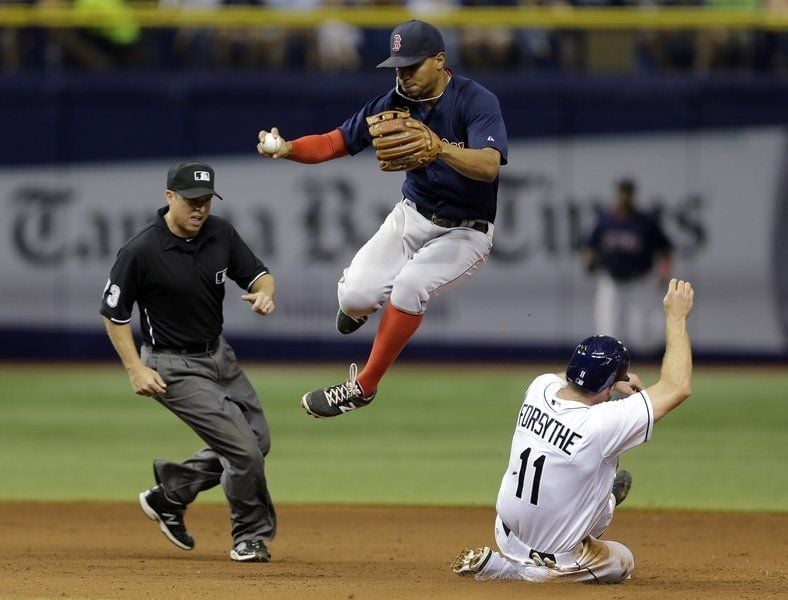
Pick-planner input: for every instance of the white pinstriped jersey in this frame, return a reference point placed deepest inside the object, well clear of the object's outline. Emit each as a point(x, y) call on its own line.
point(563, 461)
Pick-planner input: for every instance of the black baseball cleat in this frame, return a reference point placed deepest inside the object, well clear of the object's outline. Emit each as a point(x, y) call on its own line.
point(169, 514)
point(250, 551)
point(621, 485)
point(347, 324)
point(337, 399)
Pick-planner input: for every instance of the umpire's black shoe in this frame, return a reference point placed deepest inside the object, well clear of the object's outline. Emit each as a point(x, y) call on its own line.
point(169, 515)
point(621, 485)
point(347, 324)
point(250, 551)
point(337, 399)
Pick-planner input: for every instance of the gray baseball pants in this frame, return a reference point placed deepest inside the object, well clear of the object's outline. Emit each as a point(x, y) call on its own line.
point(211, 394)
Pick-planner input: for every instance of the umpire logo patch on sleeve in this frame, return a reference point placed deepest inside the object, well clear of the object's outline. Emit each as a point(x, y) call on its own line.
point(221, 276)
point(113, 296)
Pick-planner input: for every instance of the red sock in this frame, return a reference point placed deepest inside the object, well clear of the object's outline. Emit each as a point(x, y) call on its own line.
point(395, 329)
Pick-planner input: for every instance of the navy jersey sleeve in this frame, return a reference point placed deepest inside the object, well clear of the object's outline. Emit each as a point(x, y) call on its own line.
point(355, 128)
point(244, 268)
point(660, 242)
point(122, 287)
point(485, 124)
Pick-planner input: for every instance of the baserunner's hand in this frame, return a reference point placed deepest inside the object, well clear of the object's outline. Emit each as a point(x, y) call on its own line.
point(679, 299)
point(626, 388)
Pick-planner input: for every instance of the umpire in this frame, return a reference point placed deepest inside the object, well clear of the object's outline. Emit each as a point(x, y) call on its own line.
point(175, 270)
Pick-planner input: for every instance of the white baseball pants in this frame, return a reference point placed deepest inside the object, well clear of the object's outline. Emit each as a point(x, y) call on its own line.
point(592, 560)
point(409, 260)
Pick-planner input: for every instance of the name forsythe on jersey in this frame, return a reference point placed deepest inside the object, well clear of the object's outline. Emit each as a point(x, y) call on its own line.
point(548, 428)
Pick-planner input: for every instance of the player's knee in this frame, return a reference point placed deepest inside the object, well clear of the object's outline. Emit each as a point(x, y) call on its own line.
point(246, 458)
point(409, 295)
point(359, 302)
point(623, 564)
point(627, 564)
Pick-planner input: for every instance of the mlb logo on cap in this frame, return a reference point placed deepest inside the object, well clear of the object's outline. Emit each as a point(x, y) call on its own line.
point(191, 180)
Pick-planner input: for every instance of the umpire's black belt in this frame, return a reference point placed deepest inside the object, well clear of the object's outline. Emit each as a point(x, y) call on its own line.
point(436, 219)
point(202, 348)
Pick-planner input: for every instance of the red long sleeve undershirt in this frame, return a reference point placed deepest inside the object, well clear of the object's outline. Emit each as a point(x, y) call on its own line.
point(319, 148)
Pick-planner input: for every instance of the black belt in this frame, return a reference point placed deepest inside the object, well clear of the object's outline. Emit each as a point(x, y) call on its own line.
point(202, 348)
point(436, 219)
point(531, 552)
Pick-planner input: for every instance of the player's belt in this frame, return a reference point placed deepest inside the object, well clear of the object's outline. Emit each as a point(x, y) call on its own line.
point(506, 528)
point(436, 219)
point(202, 348)
point(531, 552)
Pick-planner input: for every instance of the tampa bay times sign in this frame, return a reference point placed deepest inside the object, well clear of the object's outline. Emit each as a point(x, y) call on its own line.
point(717, 195)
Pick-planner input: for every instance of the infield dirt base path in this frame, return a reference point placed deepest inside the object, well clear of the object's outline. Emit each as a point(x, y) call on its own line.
point(112, 551)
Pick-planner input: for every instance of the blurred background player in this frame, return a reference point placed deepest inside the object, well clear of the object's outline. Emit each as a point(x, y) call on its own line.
point(623, 249)
point(560, 488)
point(441, 231)
point(175, 270)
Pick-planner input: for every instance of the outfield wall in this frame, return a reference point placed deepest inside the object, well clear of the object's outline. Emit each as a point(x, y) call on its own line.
point(720, 194)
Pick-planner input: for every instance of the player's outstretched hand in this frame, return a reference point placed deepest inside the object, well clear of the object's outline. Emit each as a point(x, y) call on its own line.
point(272, 145)
point(679, 299)
point(261, 302)
point(147, 382)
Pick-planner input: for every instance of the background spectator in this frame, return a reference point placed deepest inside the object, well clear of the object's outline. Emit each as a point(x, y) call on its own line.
point(488, 47)
point(115, 45)
point(624, 247)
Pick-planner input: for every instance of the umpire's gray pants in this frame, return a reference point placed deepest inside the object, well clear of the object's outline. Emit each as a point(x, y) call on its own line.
point(211, 394)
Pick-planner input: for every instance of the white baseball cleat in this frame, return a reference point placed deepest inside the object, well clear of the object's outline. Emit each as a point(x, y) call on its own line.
point(470, 561)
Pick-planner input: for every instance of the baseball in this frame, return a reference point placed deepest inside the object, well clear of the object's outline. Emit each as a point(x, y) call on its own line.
point(271, 144)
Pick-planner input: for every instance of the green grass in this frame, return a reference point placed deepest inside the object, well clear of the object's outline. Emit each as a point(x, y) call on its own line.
point(435, 435)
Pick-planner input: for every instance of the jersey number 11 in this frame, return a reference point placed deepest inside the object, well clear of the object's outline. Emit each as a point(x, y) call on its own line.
point(538, 464)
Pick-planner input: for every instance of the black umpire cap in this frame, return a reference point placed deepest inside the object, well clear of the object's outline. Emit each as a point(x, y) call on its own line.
point(412, 42)
point(192, 179)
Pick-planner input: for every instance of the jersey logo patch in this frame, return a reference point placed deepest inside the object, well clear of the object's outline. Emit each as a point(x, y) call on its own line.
point(202, 176)
point(221, 276)
point(113, 296)
point(490, 138)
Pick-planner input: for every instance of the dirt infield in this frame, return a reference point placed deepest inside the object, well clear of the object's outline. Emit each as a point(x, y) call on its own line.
point(103, 551)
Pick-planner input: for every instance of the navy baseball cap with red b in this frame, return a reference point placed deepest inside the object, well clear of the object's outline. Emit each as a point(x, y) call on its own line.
point(412, 42)
point(192, 179)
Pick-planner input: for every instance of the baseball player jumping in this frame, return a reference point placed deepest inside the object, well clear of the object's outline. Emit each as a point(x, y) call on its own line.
point(560, 487)
point(449, 136)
